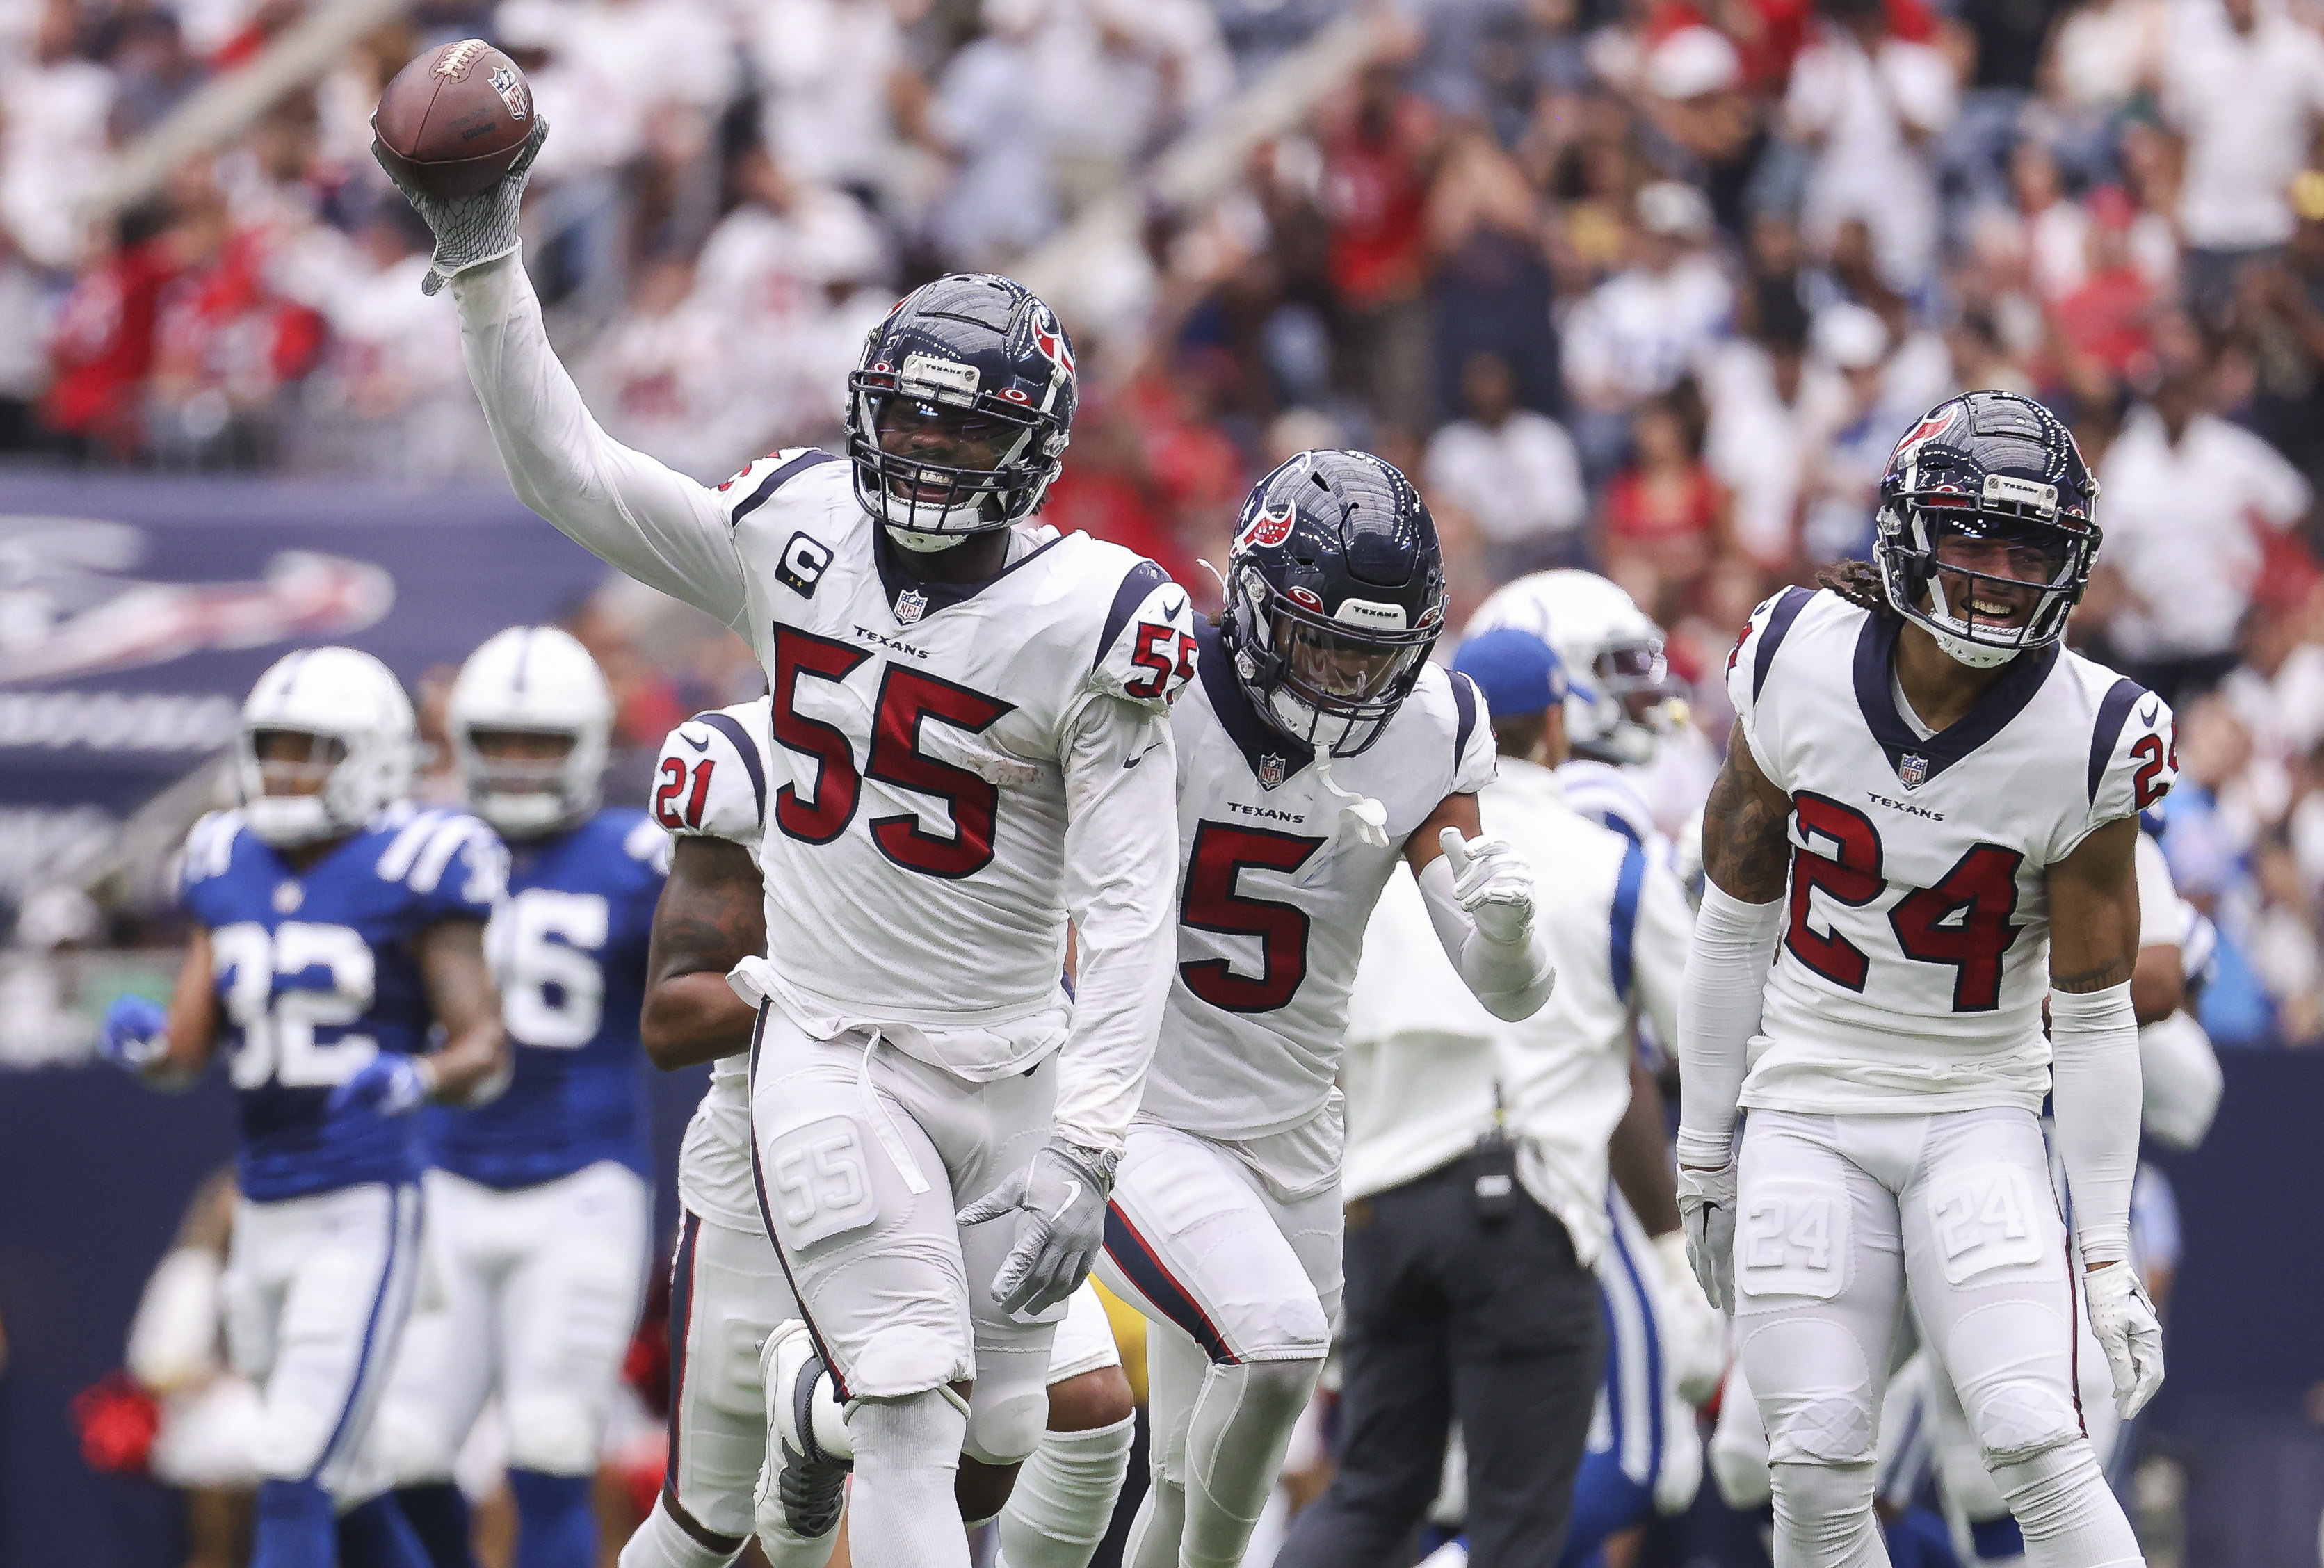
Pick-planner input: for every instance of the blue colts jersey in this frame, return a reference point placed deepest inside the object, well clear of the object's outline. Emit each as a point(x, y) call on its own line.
point(317, 974)
point(568, 948)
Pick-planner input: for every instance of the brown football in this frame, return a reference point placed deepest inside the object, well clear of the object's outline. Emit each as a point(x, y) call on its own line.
point(453, 120)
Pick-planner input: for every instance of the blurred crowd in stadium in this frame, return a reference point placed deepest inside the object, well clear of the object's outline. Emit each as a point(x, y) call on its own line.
point(1648, 285)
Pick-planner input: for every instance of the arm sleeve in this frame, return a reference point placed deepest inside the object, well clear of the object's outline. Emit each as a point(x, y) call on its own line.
point(661, 527)
point(1511, 979)
point(1122, 857)
point(1718, 1014)
point(2095, 1094)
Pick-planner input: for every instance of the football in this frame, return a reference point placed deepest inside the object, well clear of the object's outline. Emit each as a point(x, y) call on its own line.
point(452, 121)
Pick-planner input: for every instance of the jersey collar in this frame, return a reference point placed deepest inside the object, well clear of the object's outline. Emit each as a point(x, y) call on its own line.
point(1875, 694)
point(1253, 736)
point(896, 580)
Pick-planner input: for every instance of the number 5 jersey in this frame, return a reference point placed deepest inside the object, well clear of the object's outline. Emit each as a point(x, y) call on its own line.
point(1915, 958)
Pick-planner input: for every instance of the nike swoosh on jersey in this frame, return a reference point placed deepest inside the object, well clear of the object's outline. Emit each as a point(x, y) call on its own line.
point(2153, 707)
point(1172, 610)
point(701, 745)
point(1134, 761)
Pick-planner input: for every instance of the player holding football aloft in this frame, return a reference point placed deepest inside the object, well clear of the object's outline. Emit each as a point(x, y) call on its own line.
point(972, 711)
point(1318, 747)
point(335, 929)
point(1927, 811)
point(738, 1356)
point(538, 1207)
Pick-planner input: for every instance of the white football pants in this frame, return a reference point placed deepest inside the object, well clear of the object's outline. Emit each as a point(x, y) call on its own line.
point(534, 1291)
point(316, 1289)
point(863, 1154)
point(1838, 1219)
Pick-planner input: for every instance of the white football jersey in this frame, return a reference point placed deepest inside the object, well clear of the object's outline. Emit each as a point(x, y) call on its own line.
point(712, 782)
point(914, 849)
point(1274, 895)
point(1914, 961)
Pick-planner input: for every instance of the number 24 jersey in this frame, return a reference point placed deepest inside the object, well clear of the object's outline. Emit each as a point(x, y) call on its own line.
point(1914, 957)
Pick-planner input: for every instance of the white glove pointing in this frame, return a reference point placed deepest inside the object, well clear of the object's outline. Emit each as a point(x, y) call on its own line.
point(1492, 882)
point(2127, 1331)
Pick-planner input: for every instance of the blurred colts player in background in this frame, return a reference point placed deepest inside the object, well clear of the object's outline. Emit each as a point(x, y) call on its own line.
point(1951, 797)
point(1318, 750)
point(973, 711)
point(336, 929)
point(538, 1207)
point(728, 1293)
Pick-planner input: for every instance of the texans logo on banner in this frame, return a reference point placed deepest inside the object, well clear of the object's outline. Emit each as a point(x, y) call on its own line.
point(134, 614)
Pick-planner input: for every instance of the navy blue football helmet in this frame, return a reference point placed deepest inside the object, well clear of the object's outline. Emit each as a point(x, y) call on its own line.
point(1335, 593)
point(1987, 528)
point(983, 355)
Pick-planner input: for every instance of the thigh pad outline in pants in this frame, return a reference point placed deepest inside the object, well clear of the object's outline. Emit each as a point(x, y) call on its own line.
point(1986, 1253)
point(1817, 1280)
point(727, 1294)
point(1194, 1239)
point(895, 1302)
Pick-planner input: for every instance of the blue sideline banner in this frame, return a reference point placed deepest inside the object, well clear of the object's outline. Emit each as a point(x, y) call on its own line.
point(136, 612)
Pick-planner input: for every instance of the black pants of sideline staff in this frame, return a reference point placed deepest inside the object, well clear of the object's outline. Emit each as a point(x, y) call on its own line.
point(1447, 1317)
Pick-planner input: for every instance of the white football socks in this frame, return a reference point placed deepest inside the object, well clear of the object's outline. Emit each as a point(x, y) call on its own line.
point(907, 1453)
point(1823, 1516)
point(2068, 1515)
point(1064, 1496)
point(1235, 1443)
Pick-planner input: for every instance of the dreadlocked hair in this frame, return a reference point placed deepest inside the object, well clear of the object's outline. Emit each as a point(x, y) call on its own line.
point(1858, 583)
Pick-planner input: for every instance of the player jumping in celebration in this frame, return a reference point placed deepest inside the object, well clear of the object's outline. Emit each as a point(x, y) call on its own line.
point(973, 715)
point(538, 1210)
point(727, 1286)
point(1926, 819)
point(1318, 747)
point(335, 929)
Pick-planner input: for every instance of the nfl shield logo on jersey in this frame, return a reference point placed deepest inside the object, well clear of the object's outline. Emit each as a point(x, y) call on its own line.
point(910, 605)
point(1271, 772)
point(1913, 771)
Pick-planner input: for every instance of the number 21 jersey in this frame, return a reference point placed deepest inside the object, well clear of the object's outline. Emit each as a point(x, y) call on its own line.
point(1916, 950)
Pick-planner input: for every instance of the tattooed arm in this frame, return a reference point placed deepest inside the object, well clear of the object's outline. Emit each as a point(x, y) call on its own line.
point(712, 915)
point(2094, 910)
point(1746, 843)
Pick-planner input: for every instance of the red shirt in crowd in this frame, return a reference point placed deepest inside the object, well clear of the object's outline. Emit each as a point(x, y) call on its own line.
point(1376, 197)
point(102, 346)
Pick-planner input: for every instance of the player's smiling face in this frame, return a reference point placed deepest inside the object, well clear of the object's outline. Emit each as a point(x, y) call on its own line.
point(296, 761)
point(943, 437)
point(1995, 581)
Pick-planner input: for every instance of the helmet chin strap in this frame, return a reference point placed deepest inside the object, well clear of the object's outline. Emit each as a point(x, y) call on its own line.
point(1975, 655)
point(924, 544)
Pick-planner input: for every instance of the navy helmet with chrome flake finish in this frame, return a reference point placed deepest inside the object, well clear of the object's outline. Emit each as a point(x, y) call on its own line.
point(1335, 594)
point(985, 345)
point(1996, 468)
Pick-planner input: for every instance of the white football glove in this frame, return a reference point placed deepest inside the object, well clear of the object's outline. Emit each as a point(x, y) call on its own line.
point(1060, 1199)
point(471, 230)
point(1706, 1203)
point(1493, 884)
point(2127, 1331)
